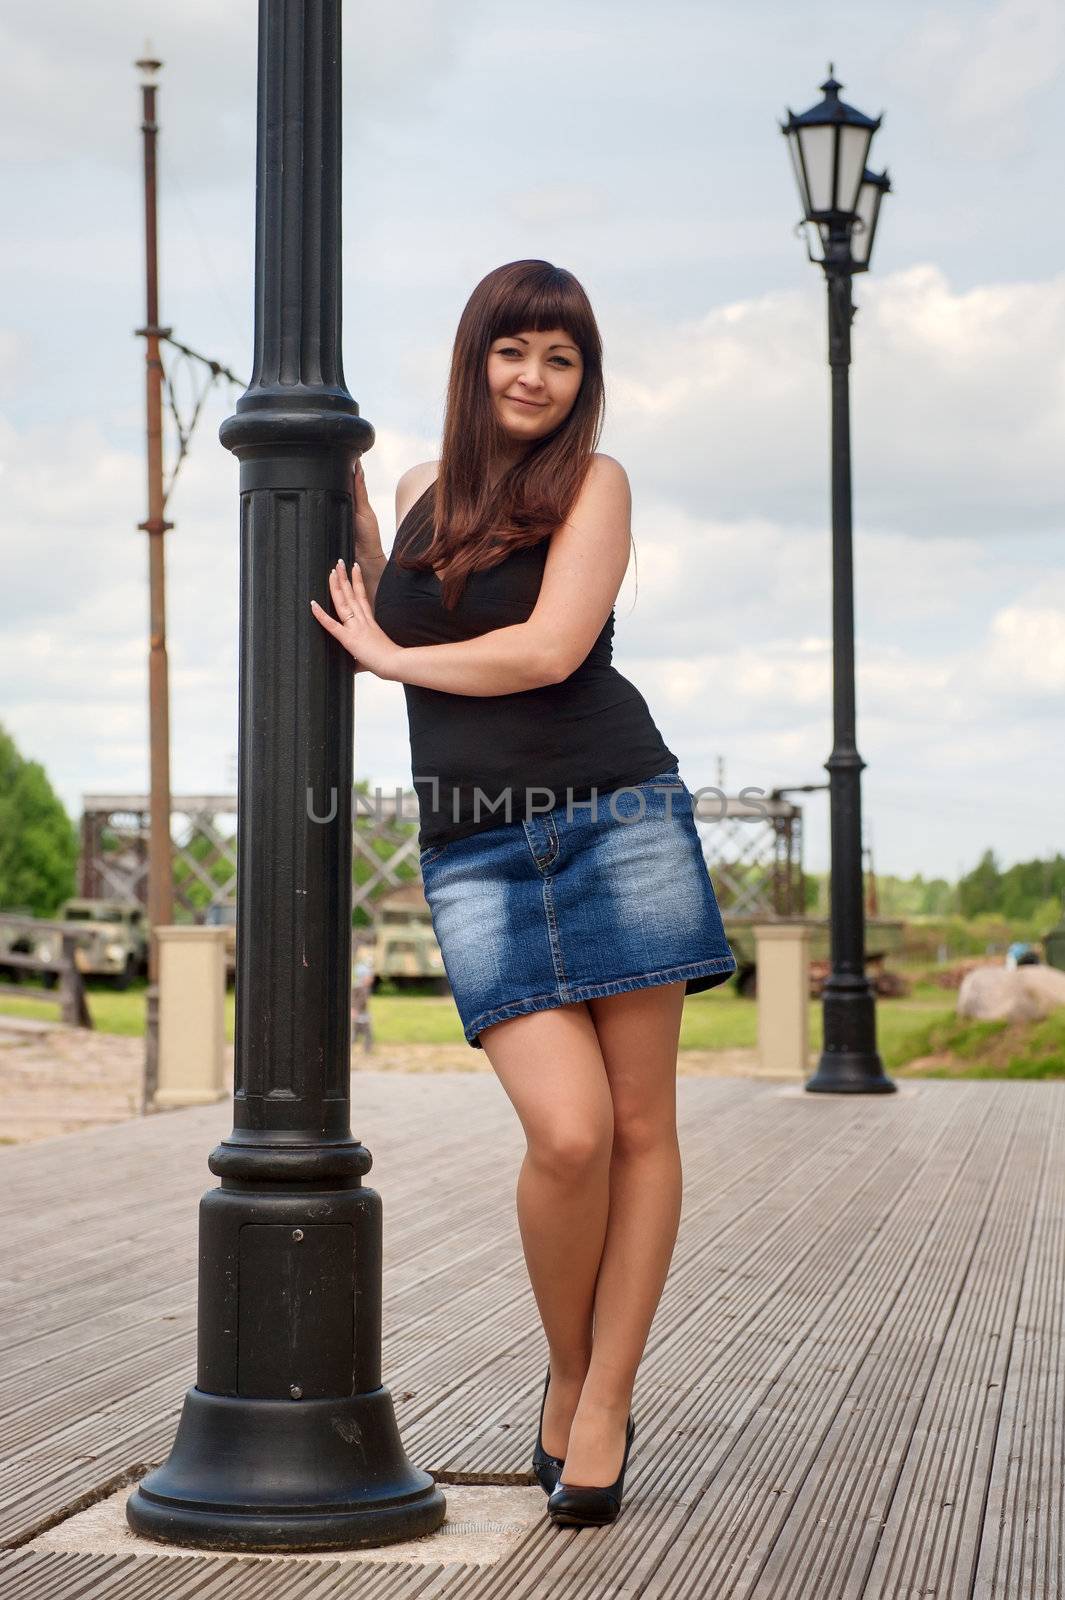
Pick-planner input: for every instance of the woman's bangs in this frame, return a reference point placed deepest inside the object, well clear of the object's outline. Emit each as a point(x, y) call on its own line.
point(537, 307)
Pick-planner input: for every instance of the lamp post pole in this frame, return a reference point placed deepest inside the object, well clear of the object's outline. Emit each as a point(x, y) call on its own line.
point(849, 1058)
point(841, 202)
point(287, 1440)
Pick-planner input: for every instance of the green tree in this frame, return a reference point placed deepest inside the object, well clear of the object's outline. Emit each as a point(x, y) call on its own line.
point(1027, 884)
point(38, 841)
point(981, 889)
point(1017, 894)
point(938, 898)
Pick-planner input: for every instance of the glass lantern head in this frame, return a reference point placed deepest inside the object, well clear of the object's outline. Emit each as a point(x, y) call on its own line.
point(829, 146)
point(875, 185)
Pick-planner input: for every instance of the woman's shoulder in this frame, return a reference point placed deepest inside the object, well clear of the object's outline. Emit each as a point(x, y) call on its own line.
point(608, 468)
point(412, 485)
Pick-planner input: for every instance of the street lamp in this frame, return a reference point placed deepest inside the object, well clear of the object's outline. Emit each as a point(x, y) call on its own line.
point(840, 197)
point(288, 1439)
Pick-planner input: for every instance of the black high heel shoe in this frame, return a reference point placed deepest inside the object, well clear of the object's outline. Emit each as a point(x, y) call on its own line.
point(587, 1505)
point(546, 1468)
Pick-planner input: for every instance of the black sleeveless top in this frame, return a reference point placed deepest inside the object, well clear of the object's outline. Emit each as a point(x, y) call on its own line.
point(508, 757)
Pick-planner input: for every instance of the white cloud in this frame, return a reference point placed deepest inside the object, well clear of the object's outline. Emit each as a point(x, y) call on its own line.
point(1026, 651)
point(958, 405)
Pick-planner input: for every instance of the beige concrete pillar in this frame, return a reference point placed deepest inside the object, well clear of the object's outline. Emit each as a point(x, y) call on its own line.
point(782, 958)
point(192, 1013)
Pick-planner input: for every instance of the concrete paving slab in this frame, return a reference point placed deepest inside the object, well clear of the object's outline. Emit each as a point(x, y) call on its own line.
point(483, 1522)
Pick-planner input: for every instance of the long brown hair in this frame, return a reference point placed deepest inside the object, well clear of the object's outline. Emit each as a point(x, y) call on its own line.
point(475, 525)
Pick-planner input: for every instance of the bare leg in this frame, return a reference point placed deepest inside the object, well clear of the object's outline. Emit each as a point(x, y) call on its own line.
point(551, 1067)
point(638, 1033)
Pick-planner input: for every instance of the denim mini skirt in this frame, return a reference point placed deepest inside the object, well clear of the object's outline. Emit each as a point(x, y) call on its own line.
point(575, 903)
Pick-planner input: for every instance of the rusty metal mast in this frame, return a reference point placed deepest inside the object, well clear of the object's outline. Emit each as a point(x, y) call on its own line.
point(160, 877)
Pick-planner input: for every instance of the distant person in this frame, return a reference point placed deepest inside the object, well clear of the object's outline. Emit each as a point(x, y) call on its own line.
point(361, 989)
point(560, 856)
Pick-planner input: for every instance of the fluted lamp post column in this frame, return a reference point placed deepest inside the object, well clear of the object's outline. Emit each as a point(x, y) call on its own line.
point(288, 1440)
point(840, 197)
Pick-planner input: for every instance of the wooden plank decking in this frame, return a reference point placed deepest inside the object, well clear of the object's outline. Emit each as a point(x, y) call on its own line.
point(853, 1388)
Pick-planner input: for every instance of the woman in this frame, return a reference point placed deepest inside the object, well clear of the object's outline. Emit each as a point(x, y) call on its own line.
point(559, 852)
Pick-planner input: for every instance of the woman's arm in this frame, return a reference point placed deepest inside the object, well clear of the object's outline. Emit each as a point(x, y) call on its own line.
point(503, 661)
point(369, 552)
point(371, 568)
point(500, 662)
point(585, 566)
point(367, 535)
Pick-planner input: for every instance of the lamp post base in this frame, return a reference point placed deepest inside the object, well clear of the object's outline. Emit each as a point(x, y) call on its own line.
point(259, 1474)
point(849, 1072)
point(850, 1062)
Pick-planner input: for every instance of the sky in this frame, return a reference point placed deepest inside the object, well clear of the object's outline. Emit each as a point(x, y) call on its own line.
point(638, 147)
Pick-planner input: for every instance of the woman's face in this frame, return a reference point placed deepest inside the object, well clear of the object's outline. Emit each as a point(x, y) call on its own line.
point(533, 379)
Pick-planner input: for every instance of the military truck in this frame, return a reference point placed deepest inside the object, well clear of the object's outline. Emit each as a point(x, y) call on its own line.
point(114, 944)
point(18, 940)
point(406, 952)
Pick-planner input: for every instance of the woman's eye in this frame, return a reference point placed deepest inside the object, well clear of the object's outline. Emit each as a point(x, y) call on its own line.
point(511, 351)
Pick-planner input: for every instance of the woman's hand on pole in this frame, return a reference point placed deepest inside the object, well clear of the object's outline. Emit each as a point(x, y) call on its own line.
point(354, 624)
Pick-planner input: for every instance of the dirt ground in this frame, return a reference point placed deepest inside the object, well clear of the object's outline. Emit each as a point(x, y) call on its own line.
point(54, 1080)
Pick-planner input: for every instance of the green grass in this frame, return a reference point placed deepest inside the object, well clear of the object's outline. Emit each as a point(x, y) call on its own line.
point(921, 1024)
point(994, 1049)
point(112, 1010)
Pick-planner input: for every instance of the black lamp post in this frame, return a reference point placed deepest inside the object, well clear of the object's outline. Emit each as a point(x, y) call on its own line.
point(840, 197)
point(287, 1440)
